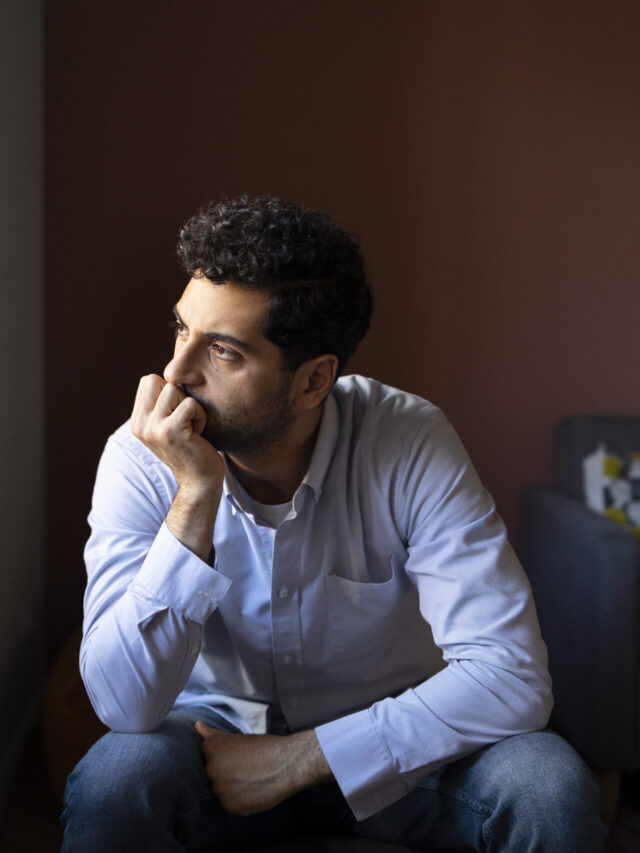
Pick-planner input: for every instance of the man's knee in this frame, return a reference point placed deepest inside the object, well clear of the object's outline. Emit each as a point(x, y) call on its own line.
point(545, 764)
point(117, 758)
point(152, 770)
point(545, 788)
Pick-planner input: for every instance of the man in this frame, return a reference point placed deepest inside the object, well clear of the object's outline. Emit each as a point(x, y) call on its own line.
point(302, 612)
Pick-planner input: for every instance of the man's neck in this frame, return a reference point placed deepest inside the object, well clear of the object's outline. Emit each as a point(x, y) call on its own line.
point(273, 475)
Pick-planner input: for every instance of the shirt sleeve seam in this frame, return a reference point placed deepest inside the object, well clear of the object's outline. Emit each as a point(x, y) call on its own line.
point(421, 432)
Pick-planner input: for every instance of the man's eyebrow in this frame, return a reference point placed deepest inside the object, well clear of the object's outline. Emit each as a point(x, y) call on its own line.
point(218, 336)
point(228, 339)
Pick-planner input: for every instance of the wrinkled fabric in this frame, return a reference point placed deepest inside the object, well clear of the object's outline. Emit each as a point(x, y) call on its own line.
point(150, 792)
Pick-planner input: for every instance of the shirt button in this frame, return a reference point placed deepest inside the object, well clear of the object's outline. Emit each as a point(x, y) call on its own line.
point(283, 593)
point(288, 658)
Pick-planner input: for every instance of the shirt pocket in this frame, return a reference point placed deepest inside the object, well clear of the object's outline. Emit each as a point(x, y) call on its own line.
point(364, 618)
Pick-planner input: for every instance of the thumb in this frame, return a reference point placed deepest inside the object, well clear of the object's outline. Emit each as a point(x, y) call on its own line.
point(204, 730)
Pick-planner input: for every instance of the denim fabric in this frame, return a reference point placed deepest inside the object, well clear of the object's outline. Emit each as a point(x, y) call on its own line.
point(149, 792)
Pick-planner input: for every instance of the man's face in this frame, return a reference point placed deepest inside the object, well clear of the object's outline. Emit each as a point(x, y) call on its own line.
point(223, 361)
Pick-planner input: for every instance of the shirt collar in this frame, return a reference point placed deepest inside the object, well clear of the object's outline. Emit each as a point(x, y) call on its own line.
point(325, 446)
point(228, 489)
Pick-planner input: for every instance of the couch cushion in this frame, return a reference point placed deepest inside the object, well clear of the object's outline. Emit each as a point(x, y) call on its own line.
point(612, 485)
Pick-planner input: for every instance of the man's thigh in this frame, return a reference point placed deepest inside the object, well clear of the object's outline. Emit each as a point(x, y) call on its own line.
point(525, 793)
point(151, 791)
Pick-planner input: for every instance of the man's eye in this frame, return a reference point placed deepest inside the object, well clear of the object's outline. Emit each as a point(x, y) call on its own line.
point(178, 327)
point(224, 353)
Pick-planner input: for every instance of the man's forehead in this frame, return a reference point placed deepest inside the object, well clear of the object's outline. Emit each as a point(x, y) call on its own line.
point(229, 301)
point(225, 310)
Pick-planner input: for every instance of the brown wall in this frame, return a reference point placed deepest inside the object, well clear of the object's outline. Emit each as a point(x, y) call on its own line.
point(487, 153)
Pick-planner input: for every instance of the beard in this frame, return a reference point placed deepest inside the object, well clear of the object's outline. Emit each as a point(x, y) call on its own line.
point(245, 431)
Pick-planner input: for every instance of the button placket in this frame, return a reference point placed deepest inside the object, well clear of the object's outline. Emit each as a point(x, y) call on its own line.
point(285, 614)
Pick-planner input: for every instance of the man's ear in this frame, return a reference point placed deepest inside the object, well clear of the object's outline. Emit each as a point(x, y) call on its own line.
point(313, 381)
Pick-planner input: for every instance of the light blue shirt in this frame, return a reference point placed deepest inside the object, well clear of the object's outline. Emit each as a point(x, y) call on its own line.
point(387, 609)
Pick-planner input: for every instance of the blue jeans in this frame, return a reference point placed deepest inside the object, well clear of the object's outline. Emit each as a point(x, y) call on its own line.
point(150, 792)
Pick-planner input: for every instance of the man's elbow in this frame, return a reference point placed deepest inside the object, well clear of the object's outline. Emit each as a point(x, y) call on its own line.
point(131, 721)
point(537, 710)
point(130, 717)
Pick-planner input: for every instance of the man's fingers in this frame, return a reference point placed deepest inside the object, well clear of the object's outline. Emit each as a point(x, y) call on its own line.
point(168, 400)
point(181, 415)
point(171, 424)
point(192, 412)
point(204, 730)
point(157, 400)
point(149, 389)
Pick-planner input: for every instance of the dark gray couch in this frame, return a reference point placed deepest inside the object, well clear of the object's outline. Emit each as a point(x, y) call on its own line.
point(585, 574)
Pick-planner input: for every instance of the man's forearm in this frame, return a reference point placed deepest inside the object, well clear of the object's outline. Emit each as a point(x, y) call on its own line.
point(192, 517)
point(252, 773)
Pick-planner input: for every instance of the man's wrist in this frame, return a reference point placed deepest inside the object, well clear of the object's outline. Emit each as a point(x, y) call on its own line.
point(310, 760)
point(192, 517)
point(199, 493)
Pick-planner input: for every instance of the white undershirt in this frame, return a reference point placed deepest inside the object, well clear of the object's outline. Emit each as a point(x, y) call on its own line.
point(266, 515)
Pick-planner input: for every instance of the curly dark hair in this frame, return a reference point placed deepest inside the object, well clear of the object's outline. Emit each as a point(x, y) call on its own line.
point(319, 302)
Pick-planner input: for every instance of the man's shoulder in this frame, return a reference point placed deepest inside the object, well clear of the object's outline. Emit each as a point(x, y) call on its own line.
point(367, 401)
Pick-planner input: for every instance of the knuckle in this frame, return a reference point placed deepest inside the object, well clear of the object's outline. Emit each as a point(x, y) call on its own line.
point(164, 434)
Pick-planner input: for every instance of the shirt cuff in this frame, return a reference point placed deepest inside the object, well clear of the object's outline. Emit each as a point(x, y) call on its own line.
point(178, 578)
point(361, 764)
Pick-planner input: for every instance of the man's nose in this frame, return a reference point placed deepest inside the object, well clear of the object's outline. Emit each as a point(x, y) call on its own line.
point(183, 369)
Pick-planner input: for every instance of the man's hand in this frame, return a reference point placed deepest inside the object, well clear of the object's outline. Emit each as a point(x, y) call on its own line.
point(252, 773)
point(170, 425)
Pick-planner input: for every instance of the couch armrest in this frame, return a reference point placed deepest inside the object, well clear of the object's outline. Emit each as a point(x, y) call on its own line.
point(585, 575)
